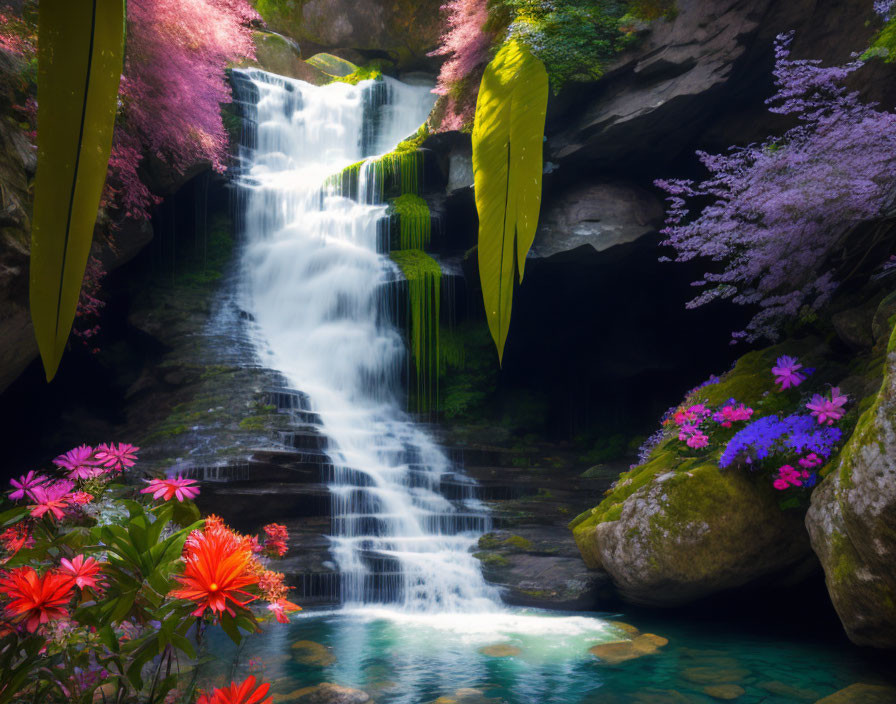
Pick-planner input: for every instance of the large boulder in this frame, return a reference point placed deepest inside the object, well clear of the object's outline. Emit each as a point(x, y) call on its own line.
point(852, 522)
point(405, 30)
point(692, 533)
point(678, 528)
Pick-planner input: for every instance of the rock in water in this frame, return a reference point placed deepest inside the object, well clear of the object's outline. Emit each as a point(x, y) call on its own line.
point(307, 652)
point(325, 693)
point(501, 650)
point(852, 522)
point(725, 691)
point(864, 693)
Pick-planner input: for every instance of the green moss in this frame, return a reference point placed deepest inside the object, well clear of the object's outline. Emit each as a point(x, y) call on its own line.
point(362, 73)
point(884, 44)
point(518, 542)
point(254, 423)
point(414, 221)
point(424, 278)
point(490, 559)
point(394, 174)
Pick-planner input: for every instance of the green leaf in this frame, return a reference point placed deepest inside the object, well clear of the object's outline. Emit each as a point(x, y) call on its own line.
point(79, 67)
point(507, 163)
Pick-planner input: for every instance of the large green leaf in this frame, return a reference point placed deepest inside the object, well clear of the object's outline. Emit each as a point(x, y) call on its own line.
point(507, 163)
point(80, 51)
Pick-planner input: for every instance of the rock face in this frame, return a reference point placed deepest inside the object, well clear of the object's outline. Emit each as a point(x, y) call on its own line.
point(852, 522)
point(18, 160)
point(599, 215)
point(406, 30)
point(681, 537)
point(668, 92)
point(277, 54)
point(540, 567)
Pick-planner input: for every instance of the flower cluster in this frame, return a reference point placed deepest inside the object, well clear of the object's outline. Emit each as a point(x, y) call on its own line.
point(693, 424)
point(221, 565)
point(143, 572)
point(798, 433)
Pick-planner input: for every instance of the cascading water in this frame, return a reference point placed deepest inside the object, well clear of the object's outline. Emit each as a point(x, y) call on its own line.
point(316, 282)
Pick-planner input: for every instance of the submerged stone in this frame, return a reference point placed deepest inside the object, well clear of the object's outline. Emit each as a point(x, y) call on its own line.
point(864, 693)
point(625, 628)
point(324, 693)
point(307, 652)
point(785, 690)
point(725, 691)
point(714, 675)
point(500, 650)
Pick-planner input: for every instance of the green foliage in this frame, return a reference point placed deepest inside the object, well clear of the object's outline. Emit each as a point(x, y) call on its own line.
point(507, 164)
point(424, 279)
point(79, 63)
point(884, 44)
point(576, 40)
point(414, 221)
point(469, 374)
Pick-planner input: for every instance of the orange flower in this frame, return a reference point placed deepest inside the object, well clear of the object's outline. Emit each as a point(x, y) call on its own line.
point(218, 568)
point(238, 694)
point(36, 599)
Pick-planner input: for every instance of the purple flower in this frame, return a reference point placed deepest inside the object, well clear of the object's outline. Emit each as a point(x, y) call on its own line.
point(827, 410)
point(26, 484)
point(80, 463)
point(786, 372)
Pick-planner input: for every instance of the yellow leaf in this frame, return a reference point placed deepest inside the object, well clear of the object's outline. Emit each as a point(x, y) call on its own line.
point(507, 164)
point(80, 49)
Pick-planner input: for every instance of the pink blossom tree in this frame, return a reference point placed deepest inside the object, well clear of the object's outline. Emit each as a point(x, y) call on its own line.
point(466, 42)
point(173, 86)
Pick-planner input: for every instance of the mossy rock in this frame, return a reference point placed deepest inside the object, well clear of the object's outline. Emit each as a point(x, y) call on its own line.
point(332, 65)
point(683, 536)
point(405, 30)
point(852, 521)
point(277, 54)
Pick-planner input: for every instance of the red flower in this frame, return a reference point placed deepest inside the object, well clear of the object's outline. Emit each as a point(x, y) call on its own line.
point(275, 543)
point(83, 570)
point(218, 568)
point(238, 694)
point(15, 538)
point(36, 599)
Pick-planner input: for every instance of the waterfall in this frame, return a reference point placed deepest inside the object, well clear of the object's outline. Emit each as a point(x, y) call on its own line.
point(317, 282)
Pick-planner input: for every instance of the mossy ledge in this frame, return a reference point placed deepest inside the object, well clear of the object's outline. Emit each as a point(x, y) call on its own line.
point(424, 277)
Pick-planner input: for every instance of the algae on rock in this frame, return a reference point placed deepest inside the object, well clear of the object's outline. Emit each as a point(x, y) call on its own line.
point(424, 278)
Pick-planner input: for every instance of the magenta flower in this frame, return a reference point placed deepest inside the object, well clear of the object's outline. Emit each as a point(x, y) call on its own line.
point(786, 372)
point(52, 498)
point(80, 463)
point(788, 476)
point(118, 458)
point(26, 484)
point(732, 414)
point(810, 460)
point(166, 489)
point(697, 439)
point(828, 410)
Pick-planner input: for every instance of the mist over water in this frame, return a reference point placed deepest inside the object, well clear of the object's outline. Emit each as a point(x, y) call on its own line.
point(315, 275)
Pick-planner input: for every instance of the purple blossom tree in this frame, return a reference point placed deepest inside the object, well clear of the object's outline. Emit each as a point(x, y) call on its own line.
point(783, 214)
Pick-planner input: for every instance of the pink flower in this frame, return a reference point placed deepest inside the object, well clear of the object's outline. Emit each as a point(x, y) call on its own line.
point(119, 458)
point(84, 570)
point(53, 498)
point(697, 440)
point(81, 498)
point(166, 489)
point(25, 485)
point(732, 414)
point(789, 476)
point(827, 410)
point(810, 460)
point(80, 463)
point(786, 373)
